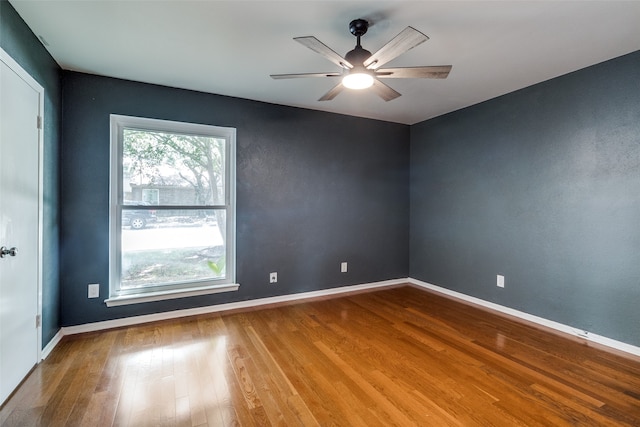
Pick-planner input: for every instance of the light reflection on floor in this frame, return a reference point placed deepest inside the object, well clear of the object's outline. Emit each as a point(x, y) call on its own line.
point(163, 386)
point(500, 339)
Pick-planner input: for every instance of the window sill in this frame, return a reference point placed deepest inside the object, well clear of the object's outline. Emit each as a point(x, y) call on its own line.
point(173, 294)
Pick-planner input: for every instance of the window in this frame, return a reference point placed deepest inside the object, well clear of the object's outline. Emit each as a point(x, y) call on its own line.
point(172, 210)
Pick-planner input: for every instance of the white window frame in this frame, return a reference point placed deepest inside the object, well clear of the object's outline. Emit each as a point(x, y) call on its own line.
point(118, 124)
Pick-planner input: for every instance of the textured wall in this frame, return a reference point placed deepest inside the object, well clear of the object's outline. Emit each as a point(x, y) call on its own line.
point(19, 42)
point(542, 186)
point(313, 189)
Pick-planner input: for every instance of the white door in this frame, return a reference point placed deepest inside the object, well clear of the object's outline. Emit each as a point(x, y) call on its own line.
point(19, 224)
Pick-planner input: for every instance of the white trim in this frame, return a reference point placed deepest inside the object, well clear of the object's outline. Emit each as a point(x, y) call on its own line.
point(51, 345)
point(136, 320)
point(172, 294)
point(580, 333)
point(17, 68)
point(33, 83)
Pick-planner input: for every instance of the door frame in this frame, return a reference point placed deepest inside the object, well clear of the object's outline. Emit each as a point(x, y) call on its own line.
point(26, 77)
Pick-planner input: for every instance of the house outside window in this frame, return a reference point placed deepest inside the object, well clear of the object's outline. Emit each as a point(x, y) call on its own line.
point(172, 210)
point(151, 195)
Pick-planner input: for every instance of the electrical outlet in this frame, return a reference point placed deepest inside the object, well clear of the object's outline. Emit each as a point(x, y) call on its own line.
point(500, 281)
point(343, 267)
point(273, 277)
point(94, 290)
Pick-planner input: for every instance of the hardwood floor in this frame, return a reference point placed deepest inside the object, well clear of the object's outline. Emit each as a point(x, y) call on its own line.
point(399, 356)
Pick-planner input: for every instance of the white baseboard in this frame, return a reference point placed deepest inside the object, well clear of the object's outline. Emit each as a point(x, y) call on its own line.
point(136, 320)
point(51, 345)
point(586, 335)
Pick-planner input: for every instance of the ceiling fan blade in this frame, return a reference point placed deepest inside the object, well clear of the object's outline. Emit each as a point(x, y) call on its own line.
point(295, 76)
point(407, 39)
point(317, 46)
point(433, 72)
point(335, 91)
point(384, 91)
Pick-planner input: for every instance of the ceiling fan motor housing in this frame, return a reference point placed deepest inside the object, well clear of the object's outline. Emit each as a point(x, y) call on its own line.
point(357, 56)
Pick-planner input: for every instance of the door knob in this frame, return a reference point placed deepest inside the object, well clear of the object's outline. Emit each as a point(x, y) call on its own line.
point(11, 252)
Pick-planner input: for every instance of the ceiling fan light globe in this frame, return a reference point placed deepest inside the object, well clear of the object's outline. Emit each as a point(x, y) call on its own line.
point(357, 81)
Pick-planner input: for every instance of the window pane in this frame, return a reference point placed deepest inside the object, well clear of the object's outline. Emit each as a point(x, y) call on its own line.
point(172, 169)
point(172, 195)
point(172, 246)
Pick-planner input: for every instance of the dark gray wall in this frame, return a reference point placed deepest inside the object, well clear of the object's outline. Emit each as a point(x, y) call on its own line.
point(542, 186)
point(313, 189)
point(19, 42)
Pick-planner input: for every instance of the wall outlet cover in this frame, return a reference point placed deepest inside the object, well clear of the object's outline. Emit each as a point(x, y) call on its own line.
point(93, 290)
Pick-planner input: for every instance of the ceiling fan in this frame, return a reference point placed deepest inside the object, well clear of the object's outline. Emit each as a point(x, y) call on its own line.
point(361, 69)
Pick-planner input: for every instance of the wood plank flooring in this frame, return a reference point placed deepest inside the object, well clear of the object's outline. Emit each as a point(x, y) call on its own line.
point(398, 356)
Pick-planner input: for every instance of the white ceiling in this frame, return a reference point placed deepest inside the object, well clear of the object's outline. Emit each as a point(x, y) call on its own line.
point(231, 47)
